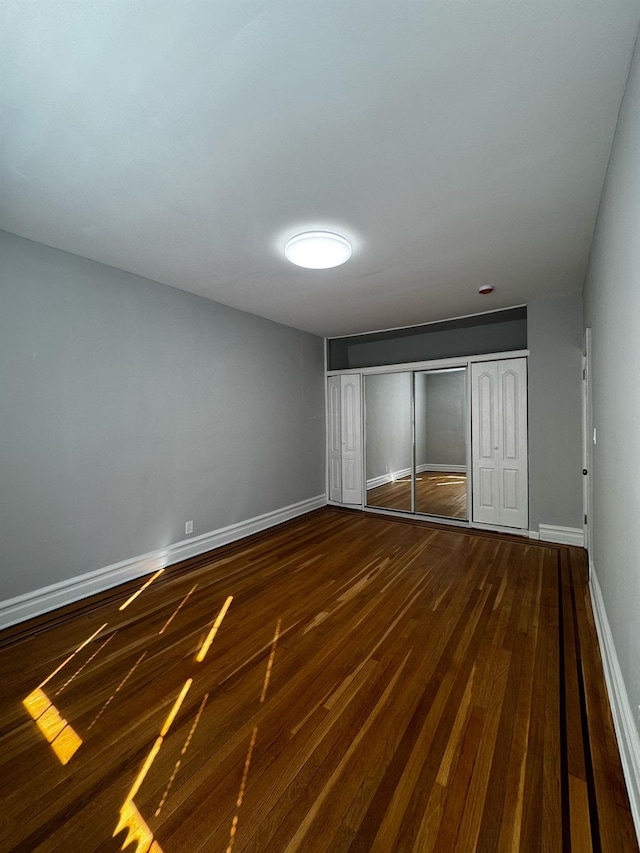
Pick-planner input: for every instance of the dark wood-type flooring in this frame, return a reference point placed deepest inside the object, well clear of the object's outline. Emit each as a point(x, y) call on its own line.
point(437, 493)
point(373, 684)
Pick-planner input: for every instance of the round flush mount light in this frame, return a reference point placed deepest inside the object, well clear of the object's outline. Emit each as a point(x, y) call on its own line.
point(486, 289)
point(318, 250)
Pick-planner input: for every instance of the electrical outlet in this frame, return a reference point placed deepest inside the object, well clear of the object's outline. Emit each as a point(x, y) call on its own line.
point(188, 527)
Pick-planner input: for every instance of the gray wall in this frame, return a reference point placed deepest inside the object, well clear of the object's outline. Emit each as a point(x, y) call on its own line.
point(555, 411)
point(612, 310)
point(441, 418)
point(388, 425)
point(128, 407)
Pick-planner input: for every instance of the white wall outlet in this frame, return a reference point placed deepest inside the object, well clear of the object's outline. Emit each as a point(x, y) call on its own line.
point(188, 527)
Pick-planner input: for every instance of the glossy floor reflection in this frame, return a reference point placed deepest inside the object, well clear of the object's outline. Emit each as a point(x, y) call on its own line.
point(344, 682)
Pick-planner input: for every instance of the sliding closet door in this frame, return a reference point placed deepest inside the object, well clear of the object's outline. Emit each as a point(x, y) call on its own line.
point(499, 442)
point(345, 444)
point(389, 440)
point(441, 442)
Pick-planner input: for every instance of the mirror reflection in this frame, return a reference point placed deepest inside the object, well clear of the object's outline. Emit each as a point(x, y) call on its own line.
point(388, 440)
point(441, 449)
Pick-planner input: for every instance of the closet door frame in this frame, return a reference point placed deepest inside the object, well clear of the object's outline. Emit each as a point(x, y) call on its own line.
point(463, 361)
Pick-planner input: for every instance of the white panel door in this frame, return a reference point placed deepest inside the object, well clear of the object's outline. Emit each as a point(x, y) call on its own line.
point(350, 407)
point(484, 442)
point(335, 439)
point(499, 442)
point(514, 509)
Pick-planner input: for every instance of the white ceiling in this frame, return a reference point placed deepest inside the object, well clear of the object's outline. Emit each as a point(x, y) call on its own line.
point(455, 143)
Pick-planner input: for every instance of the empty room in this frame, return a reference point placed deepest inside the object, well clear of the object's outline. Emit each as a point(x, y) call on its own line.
point(318, 519)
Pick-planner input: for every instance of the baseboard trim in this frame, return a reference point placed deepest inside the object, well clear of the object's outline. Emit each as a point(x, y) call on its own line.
point(562, 535)
point(626, 731)
point(65, 592)
point(450, 469)
point(374, 482)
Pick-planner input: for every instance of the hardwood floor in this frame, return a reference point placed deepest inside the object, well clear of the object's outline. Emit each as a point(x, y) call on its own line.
point(344, 682)
point(437, 493)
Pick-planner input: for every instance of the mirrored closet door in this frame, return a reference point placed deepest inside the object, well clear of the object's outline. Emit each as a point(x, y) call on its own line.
point(416, 438)
point(441, 442)
point(389, 440)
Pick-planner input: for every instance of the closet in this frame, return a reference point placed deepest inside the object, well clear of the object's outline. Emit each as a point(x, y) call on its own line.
point(447, 440)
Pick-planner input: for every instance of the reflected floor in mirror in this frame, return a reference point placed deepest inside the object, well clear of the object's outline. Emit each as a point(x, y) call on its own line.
point(437, 493)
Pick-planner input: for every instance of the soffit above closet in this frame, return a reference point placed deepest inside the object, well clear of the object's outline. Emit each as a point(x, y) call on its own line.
point(454, 144)
point(493, 332)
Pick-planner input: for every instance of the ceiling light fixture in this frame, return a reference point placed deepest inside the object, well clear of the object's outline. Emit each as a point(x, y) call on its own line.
point(318, 250)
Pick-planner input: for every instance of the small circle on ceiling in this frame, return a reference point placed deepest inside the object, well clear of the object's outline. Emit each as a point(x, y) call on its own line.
point(486, 289)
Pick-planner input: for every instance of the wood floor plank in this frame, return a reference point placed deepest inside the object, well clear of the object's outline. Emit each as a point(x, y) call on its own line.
point(609, 805)
point(374, 684)
point(511, 823)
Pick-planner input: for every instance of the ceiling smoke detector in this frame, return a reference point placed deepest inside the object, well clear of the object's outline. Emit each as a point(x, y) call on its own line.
point(486, 289)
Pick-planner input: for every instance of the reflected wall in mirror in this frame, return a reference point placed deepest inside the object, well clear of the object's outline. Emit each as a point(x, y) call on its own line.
point(441, 446)
point(388, 440)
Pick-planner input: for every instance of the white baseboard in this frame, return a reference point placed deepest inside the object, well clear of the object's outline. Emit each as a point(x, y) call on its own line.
point(562, 535)
point(56, 595)
point(374, 482)
point(626, 731)
point(450, 469)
